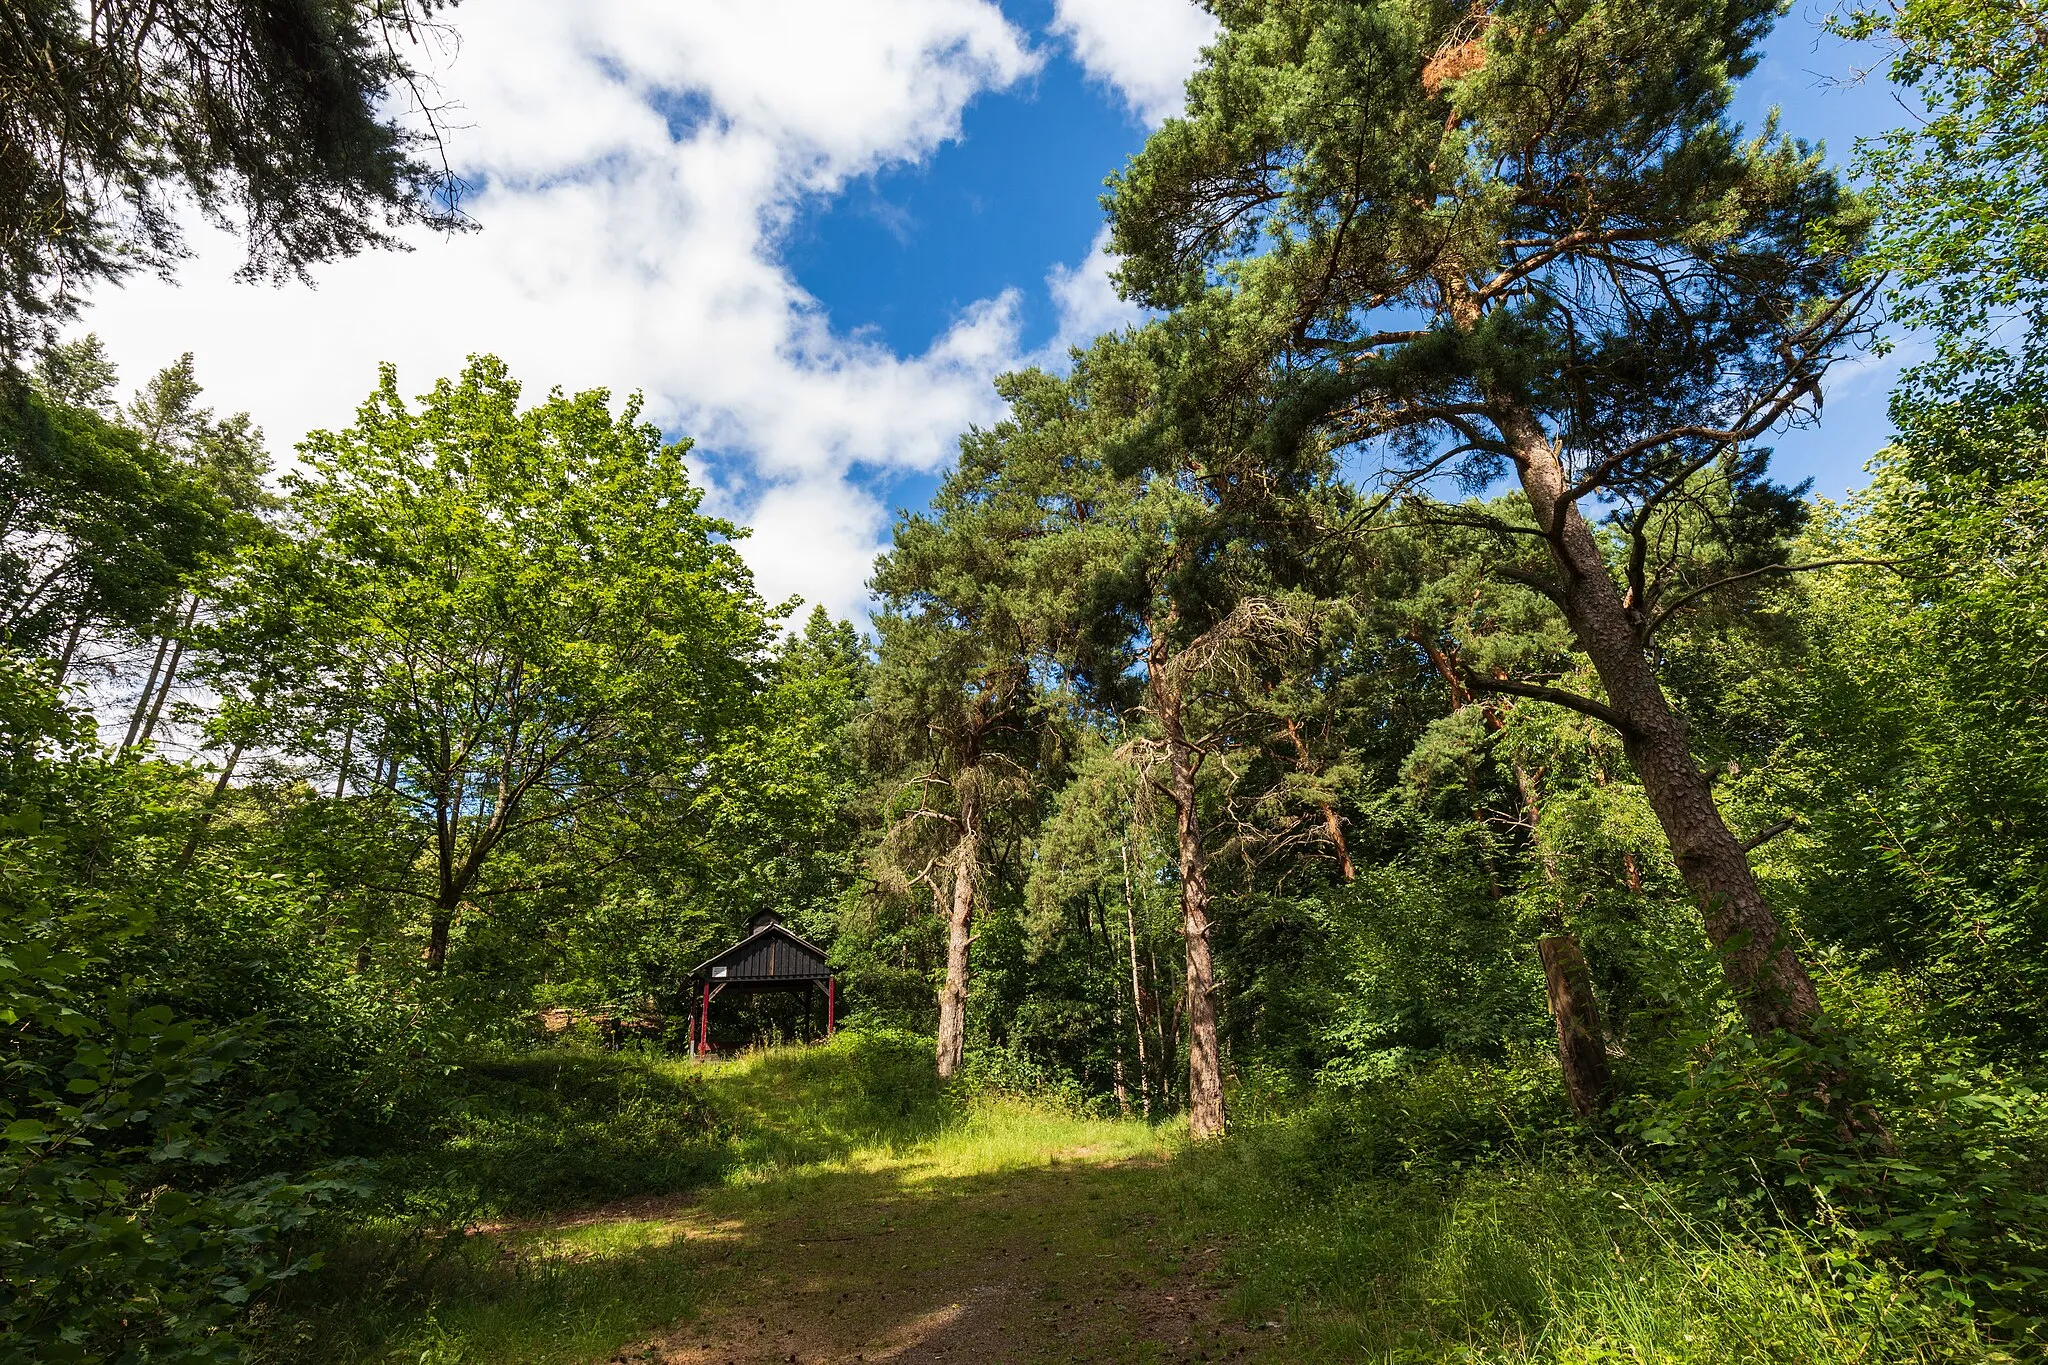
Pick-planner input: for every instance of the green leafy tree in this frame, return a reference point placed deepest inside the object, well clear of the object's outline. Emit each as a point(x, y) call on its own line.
point(1962, 193)
point(951, 730)
point(224, 455)
point(140, 1209)
point(98, 528)
point(507, 620)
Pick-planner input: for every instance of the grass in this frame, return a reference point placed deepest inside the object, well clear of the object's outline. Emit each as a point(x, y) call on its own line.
point(1521, 1264)
point(828, 1201)
point(549, 1223)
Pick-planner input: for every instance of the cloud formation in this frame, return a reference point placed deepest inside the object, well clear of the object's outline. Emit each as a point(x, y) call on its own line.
point(639, 164)
point(1144, 49)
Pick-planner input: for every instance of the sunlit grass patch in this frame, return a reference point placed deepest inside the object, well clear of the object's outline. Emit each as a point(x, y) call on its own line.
point(1522, 1264)
point(1008, 1134)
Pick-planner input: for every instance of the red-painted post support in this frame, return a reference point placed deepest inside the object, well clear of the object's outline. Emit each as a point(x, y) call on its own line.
point(704, 1024)
point(831, 1000)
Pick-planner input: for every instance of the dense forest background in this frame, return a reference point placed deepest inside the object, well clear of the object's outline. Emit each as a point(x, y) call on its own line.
point(1385, 694)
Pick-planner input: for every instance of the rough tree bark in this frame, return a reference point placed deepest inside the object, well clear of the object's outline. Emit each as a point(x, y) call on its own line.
point(1769, 983)
point(1567, 982)
point(966, 861)
point(1205, 1063)
point(1581, 1045)
point(1331, 823)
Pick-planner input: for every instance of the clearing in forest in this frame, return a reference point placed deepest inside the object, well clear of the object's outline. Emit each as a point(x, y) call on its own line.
point(859, 1216)
point(836, 1204)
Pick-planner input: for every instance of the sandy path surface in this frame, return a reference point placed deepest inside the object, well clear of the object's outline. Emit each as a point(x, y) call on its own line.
point(1061, 1263)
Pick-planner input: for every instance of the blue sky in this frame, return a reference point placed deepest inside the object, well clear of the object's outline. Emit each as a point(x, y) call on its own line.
point(810, 233)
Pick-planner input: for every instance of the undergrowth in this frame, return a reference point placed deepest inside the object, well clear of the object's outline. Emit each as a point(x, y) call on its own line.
point(1454, 1214)
point(1457, 1214)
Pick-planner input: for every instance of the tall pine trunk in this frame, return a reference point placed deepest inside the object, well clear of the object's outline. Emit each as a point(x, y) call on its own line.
point(1567, 982)
point(1137, 995)
point(1581, 1044)
point(1205, 1062)
point(1332, 825)
point(959, 931)
point(1770, 985)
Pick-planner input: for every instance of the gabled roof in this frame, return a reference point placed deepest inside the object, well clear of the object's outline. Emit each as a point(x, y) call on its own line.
point(760, 945)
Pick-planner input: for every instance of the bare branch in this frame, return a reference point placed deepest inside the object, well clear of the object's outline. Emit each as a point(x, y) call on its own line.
point(1585, 706)
point(1664, 614)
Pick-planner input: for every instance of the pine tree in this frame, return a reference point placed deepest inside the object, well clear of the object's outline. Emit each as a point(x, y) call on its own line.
point(1523, 241)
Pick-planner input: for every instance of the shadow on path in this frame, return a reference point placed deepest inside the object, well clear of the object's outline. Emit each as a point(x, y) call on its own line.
point(1070, 1259)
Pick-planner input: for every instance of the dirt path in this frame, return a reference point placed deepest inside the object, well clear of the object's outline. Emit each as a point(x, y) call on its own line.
point(1064, 1262)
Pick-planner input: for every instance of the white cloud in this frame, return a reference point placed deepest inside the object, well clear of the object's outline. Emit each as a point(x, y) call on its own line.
point(1086, 301)
point(639, 163)
point(1145, 49)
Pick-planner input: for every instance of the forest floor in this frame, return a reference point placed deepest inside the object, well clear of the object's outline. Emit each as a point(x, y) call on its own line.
point(860, 1217)
point(1018, 1237)
point(835, 1205)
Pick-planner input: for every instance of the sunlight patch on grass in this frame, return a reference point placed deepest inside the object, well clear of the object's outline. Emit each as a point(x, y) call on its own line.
point(1002, 1135)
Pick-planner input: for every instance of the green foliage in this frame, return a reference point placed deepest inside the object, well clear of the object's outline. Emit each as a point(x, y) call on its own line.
point(508, 726)
point(102, 527)
point(1916, 759)
point(519, 619)
point(516, 1135)
point(1557, 1263)
point(140, 1210)
point(1956, 1192)
point(1415, 961)
point(1962, 190)
point(1428, 1122)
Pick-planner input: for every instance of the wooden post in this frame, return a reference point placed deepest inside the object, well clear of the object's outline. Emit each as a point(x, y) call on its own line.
point(704, 1024)
point(831, 1000)
point(1581, 1047)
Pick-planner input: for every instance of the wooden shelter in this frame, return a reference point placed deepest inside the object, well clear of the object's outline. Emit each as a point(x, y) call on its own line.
point(769, 958)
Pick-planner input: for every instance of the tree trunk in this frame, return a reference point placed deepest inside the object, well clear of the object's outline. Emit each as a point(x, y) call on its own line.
point(1581, 1046)
point(1137, 997)
point(1205, 1063)
point(959, 934)
point(163, 690)
point(220, 788)
point(436, 955)
point(70, 648)
point(1331, 823)
point(142, 702)
point(348, 739)
point(1769, 983)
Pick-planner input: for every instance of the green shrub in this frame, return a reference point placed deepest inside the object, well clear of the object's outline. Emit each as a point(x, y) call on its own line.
point(1438, 1119)
point(1950, 1184)
point(515, 1134)
point(125, 1231)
